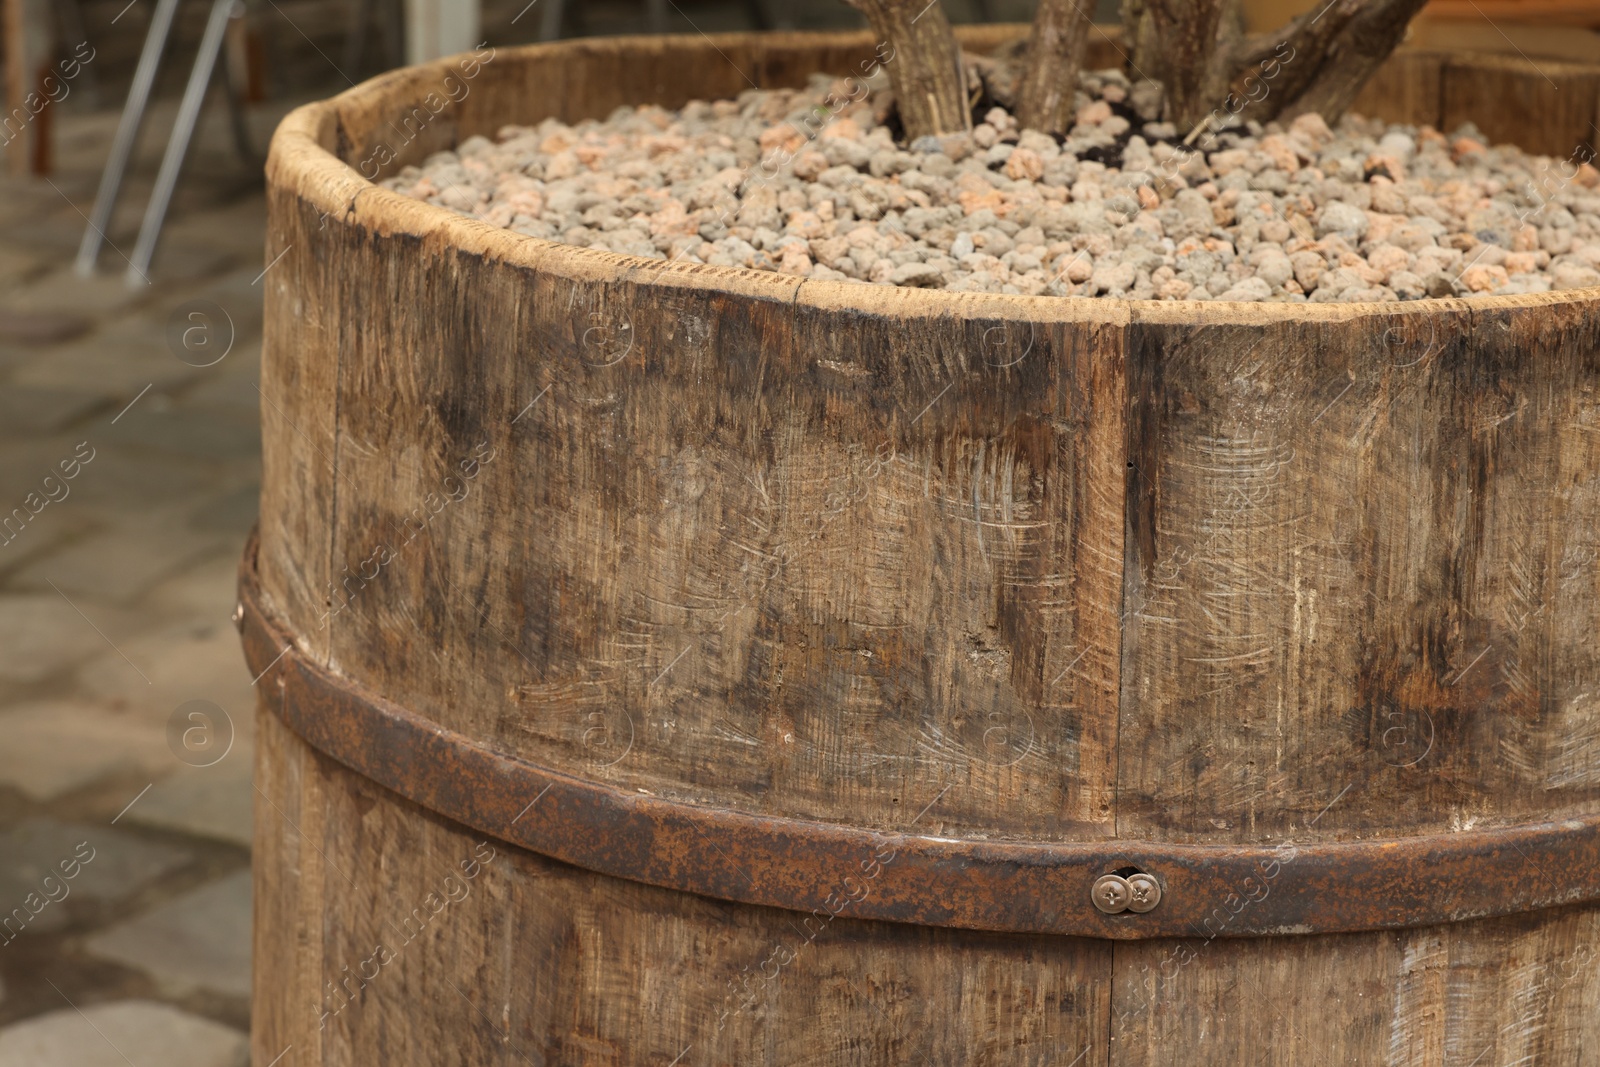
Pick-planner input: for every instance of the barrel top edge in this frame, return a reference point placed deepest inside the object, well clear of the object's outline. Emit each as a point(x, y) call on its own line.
point(302, 161)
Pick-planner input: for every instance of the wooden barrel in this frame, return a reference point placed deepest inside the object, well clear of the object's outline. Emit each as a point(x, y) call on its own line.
point(685, 666)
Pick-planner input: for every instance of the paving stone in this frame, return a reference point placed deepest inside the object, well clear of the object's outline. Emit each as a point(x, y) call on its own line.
point(120, 482)
point(208, 590)
point(118, 1034)
point(205, 435)
point(34, 328)
point(26, 410)
point(12, 356)
point(234, 228)
point(18, 265)
point(176, 262)
point(116, 565)
point(55, 748)
point(57, 527)
point(199, 941)
point(62, 293)
point(40, 635)
point(232, 512)
point(233, 388)
point(110, 366)
point(213, 801)
point(57, 235)
point(199, 659)
point(238, 294)
point(114, 865)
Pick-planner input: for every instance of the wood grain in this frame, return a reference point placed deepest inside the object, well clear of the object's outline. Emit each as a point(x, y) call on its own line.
point(531, 961)
point(996, 567)
point(1545, 106)
point(1405, 89)
point(1359, 559)
point(1503, 991)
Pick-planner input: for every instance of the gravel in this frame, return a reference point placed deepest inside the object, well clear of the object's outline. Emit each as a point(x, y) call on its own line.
point(810, 183)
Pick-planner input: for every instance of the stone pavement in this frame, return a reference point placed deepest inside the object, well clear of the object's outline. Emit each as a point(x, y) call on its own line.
point(129, 471)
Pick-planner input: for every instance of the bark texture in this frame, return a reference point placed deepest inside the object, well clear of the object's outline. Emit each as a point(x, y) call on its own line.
point(1188, 46)
point(924, 65)
point(1327, 55)
point(1050, 74)
point(1319, 62)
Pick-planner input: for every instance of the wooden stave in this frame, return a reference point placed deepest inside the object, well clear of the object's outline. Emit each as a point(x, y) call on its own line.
point(307, 182)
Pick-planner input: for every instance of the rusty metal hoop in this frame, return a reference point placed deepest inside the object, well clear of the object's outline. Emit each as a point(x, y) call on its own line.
point(1042, 887)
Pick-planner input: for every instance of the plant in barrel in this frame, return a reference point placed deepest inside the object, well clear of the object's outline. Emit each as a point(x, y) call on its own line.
point(1208, 68)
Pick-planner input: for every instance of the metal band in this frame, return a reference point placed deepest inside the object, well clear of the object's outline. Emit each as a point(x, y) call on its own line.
point(1204, 890)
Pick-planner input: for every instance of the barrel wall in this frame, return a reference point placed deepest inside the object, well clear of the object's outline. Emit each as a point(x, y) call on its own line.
point(815, 549)
point(971, 569)
point(373, 945)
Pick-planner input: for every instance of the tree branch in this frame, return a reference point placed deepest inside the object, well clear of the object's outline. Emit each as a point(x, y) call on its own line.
point(1325, 56)
point(1050, 71)
point(924, 67)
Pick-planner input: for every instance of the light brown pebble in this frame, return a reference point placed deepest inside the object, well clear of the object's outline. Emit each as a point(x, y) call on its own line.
point(754, 183)
point(1483, 277)
point(1094, 113)
point(1520, 263)
point(1024, 164)
point(1574, 276)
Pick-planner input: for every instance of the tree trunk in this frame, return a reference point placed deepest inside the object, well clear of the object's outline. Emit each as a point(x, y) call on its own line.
point(1318, 62)
point(924, 65)
point(1186, 45)
point(1050, 74)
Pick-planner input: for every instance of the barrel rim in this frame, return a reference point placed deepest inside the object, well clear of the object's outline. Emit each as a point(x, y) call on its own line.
point(302, 160)
point(805, 865)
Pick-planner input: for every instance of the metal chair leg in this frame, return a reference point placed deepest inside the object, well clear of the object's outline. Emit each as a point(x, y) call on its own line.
point(182, 130)
point(144, 76)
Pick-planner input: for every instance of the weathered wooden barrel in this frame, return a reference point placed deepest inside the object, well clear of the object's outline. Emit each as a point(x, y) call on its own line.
point(677, 665)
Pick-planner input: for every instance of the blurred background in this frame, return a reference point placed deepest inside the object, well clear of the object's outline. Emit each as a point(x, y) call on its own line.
point(129, 456)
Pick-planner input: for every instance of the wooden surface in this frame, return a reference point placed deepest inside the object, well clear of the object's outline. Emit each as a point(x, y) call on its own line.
point(1508, 15)
point(994, 567)
point(533, 962)
point(1547, 106)
point(1570, 12)
point(1360, 559)
point(1536, 40)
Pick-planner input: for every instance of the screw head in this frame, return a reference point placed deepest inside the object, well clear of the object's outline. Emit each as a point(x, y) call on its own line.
point(1144, 893)
point(1111, 894)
